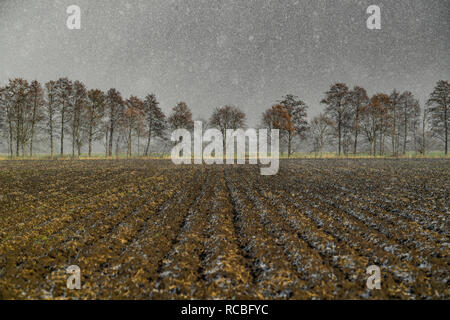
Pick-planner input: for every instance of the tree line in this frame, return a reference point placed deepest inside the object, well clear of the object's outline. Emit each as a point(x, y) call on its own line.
point(65, 111)
point(353, 122)
point(385, 121)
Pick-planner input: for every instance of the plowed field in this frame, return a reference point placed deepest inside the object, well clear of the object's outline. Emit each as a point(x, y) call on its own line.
point(147, 229)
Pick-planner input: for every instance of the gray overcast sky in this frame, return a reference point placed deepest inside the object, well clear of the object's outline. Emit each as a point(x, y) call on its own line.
point(214, 52)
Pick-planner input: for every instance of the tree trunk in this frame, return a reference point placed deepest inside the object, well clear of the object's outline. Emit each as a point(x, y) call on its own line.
point(111, 134)
point(10, 138)
point(73, 141)
point(414, 139)
point(117, 147)
point(374, 145)
point(446, 127)
point(138, 143)
point(129, 142)
point(17, 139)
point(31, 141)
point(148, 142)
point(22, 137)
point(289, 143)
point(381, 143)
point(339, 136)
point(107, 142)
point(90, 140)
point(79, 148)
point(62, 133)
point(393, 144)
point(51, 141)
point(33, 122)
point(405, 133)
point(356, 131)
point(374, 138)
point(393, 133)
point(423, 131)
point(322, 143)
point(381, 137)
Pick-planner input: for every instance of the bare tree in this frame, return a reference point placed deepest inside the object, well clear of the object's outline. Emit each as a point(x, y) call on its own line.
point(415, 124)
point(50, 112)
point(320, 129)
point(439, 104)
point(181, 117)
point(133, 114)
point(297, 111)
point(383, 119)
point(227, 117)
point(409, 106)
point(62, 98)
point(140, 132)
point(424, 128)
point(372, 117)
point(37, 101)
point(6, 105)
point(93, 113)
point(18, 94)
point(6, 116)
point(394, 107)
point(2, 107)
point(114, 110)
point(78, 104)
point(357, 99)
point(336, 100)
point(155, 120)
